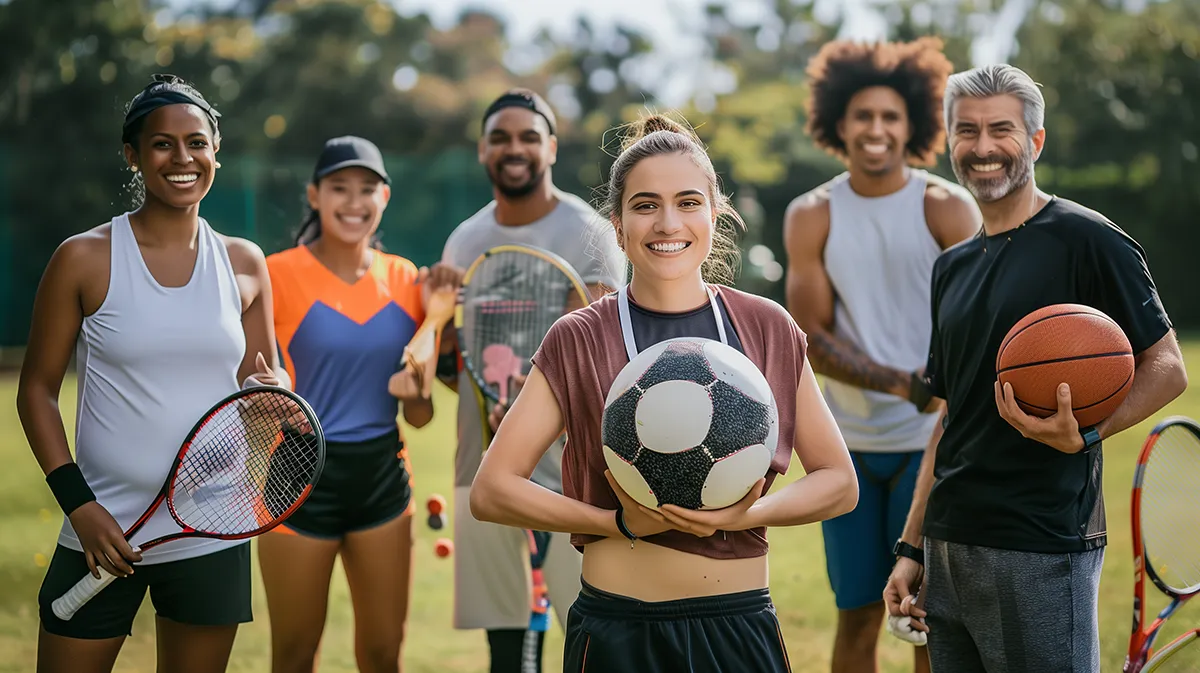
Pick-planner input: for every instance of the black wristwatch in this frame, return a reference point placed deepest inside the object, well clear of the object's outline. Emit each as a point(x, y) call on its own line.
point(906, 550)
point(1091, 438)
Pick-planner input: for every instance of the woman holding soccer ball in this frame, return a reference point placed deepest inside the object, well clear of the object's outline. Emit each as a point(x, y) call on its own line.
point(700, 576)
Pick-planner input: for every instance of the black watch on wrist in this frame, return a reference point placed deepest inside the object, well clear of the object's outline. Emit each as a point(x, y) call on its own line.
point(906, 550)
point(1091, 438)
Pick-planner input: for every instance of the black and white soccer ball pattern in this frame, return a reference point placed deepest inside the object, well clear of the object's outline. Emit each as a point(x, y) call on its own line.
point(689, 422)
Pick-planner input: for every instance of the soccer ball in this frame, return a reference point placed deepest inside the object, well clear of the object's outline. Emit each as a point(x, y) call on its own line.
point(689, 422)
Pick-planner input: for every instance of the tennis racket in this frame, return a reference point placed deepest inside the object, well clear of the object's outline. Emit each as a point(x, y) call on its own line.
point(248, 463)
point(1166, 548)
point(510, 297)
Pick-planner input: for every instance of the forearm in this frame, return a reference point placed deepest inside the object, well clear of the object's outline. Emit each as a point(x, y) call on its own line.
point(843, 361)
point(817, 496)
point(42, 421)
point(916, 512)
point(1156, 382)
point(513, 500)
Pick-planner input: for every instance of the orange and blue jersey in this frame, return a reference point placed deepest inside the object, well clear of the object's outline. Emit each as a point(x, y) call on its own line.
point(342, 342)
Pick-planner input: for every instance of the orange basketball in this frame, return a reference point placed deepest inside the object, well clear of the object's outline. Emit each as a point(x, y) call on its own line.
point(1072, 344)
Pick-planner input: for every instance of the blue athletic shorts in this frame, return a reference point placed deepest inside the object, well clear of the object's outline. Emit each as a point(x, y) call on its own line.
point(858, 544)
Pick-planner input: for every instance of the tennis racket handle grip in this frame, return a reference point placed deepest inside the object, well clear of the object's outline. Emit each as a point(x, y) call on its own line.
point(86, 589)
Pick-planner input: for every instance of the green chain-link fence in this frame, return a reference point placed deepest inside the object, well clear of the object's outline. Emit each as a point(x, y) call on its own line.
point(263, 201)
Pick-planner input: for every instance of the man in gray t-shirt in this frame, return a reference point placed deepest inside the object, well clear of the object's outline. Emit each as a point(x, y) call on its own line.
point(492, 562)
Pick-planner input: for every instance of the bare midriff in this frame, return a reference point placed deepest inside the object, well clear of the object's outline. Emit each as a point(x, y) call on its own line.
point(650, 572)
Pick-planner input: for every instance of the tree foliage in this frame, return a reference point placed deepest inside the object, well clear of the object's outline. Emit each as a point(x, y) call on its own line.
point(1121, 89)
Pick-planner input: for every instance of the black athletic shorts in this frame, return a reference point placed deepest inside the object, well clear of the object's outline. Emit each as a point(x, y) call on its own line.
point(209, 590)
point(363, 485)
point(714, 634)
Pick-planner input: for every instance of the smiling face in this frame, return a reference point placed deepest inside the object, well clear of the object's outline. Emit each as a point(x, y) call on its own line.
point(991, 152)
point(351, 202)
point(876, 130)
point(516, 149)
point(667, 218)
point(176, 153)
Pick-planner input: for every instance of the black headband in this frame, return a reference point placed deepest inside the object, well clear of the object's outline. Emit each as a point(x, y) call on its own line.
point(523, 99)
point(159, 95)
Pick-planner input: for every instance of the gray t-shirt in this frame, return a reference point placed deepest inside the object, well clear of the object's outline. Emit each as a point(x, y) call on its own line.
point(576, 233)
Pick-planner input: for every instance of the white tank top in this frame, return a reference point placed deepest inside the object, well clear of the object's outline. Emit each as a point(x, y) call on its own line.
point(150, 362)
point(879, 256)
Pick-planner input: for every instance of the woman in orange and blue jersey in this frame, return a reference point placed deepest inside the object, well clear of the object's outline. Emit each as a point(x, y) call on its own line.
point(344, 311)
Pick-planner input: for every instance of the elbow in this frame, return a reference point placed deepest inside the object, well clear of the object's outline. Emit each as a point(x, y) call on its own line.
point(848, 492)
point(26, 394)
point(483, 500)
point(1180, 378)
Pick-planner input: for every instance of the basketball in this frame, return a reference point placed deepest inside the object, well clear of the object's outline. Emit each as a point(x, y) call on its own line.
point(1067, 343)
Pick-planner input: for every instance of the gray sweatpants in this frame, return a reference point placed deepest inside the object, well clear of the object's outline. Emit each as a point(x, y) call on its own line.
point(1000, 611)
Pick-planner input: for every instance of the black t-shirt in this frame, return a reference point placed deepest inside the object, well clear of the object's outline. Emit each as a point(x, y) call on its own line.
point(651, 327)
point(994, 487)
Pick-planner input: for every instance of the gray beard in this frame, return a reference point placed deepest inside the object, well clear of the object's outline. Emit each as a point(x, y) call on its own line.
point(1017, 174)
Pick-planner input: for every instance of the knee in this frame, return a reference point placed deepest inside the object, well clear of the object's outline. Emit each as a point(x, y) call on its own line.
point(294, 659)
point(379, 656)
point(295, 653)
point(379, 650)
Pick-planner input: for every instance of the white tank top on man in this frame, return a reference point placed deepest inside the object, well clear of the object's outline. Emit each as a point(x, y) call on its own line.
point(879, 257)
point(151, 360)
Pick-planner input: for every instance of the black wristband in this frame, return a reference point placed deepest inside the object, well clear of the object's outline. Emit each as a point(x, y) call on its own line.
point(69, 487)
point(918, 391)
point(621, 524)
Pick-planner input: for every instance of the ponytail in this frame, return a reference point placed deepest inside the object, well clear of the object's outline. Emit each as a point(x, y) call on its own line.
point(310, 228)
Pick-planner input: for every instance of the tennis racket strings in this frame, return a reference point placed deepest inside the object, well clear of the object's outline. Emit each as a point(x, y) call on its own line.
point(249, 463)
point(1170, 510)
point(509, 304)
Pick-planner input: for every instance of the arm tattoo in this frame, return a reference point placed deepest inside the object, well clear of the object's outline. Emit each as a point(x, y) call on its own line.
point(843, 361)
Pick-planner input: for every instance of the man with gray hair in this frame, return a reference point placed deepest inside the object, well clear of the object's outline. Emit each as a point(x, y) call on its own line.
point(1008, 506)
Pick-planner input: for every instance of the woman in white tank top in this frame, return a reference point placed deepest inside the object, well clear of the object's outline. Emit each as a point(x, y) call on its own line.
point(165, 317)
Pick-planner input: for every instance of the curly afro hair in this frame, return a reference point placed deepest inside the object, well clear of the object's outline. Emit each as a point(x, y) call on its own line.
point(916, 70)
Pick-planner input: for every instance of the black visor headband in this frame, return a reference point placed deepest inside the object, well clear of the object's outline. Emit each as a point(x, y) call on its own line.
point(159, 95)
point(525, 100)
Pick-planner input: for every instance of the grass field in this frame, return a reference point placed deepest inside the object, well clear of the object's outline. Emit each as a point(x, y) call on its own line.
point(29, 523)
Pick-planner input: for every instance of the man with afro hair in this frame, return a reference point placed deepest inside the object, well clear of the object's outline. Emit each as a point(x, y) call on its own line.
point(860, 254)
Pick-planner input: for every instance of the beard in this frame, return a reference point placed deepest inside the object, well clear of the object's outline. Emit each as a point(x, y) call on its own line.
point(517, 190)
point(1018, 171)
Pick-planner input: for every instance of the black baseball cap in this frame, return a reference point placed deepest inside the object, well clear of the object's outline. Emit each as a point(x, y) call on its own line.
point(348, 151)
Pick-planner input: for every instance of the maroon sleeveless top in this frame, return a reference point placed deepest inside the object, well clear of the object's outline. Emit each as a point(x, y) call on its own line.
point(582, 355)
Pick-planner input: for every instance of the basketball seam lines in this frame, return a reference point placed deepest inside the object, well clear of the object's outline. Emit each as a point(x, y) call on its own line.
point(1107, 398)
point(1069, 359)
point(1004, 343)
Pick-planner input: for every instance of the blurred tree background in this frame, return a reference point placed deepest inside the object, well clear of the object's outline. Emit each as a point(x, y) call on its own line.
point(1121, 78)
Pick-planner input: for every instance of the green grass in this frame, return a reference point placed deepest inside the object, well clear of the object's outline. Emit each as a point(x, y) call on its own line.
point(29, 523)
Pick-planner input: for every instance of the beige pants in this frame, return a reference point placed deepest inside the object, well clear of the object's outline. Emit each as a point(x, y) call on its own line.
point(492, 584)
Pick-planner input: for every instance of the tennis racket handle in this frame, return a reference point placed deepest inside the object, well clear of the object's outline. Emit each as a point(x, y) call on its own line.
point(86, 589)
